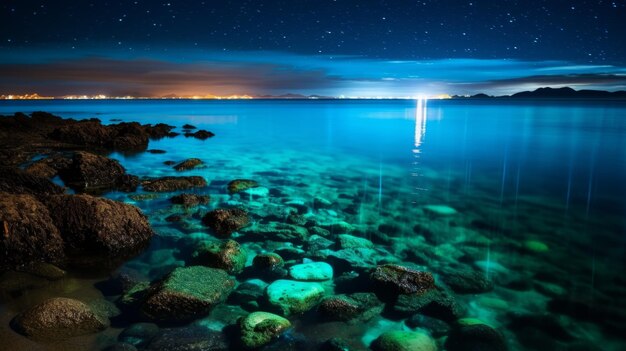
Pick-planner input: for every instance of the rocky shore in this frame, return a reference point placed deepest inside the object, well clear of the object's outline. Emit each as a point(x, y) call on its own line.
point(244, 265)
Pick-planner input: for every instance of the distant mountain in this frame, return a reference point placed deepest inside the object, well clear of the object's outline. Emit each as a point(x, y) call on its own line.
point(567, 92)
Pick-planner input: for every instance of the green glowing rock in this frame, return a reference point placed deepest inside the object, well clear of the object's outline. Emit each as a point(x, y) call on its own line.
point(291, 297)
point(313, 271)
point(536, 246)
point(404, 341)
point(259, 328)
point(439, 210)
point(347, 241)
point(227, 255)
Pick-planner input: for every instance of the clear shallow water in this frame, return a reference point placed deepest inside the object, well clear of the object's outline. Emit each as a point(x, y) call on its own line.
point(516, 171)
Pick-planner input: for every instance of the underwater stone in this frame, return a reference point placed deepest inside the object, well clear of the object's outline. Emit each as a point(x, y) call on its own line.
point(292, 297)
point(313, 271)
point(259, 328)
point(267, 261)
point(186, 293)
point(275, 231)
point(475, 337)
point(434, 303)
point(536, 246)
point(226, 221)
point(188, 164)
point(139, 334)
point(347, 241)
point(189, 126)
point(247, 292)
point(201, 134)
point(166, 184)
point(227, 255)
point(467, 281)
point(435, 326)
point(363, 306)
point(189, 338)
point(353, 259)
point(58, 319)
point(239, 185)
point(439, 210)
point(404, 341)
point(189, 200)
point(320, 202)
point(391, 279)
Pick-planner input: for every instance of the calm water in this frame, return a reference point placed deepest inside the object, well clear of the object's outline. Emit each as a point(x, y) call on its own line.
point(539, 187)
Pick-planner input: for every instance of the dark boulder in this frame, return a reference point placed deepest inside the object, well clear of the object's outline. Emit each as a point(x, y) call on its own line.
point(188, 164)
point(160, 130)
point(189, 126)
point(166, 184)
point(226, 221)
point(475, 337)
point(94, 173)
point(390, 279)
point(201, 134)
point(190, 200)
point(467, 281)
point(227, 255)
point(238, 185)
point(191, 338)
point(28, 233)
point(436, 303)
point(361, 306)
point(16, 181)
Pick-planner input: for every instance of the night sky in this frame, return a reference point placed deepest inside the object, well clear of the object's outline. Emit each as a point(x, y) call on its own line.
point(340, 47)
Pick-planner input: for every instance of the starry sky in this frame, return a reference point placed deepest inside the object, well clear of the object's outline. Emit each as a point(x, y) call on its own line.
point(325, 47)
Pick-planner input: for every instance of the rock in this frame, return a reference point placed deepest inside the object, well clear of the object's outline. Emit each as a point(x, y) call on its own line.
point(477, 337)
point(188, 164)
point(391, 279)
point(96, 225)
point(436, 327)
point(248, 292)
point(404, 341)
point(94, 173)
point(169, 163)
point(49, 167)
point(439, 210)
point(467, 281)
point(189, 126)
point(186, 293)
point(292, 297)
point(275, 231)
point(267, 261)
point(312, 271)
point(28, 234)
point(226, 221)
point(16, 181)
point(334, 344)
point(201, 134)
point(239, 185)
point(191, 338)
point(434, 303)
point(91, 133)
point(173, 183)
point(259, 328)
point(361, 306)
point(58, 319)
point(120, 346)
point(535, 246)
point(44, 270)
point(320, 202)
point(227, 255)
point(190, 200)
point(347, 241)
point(318, 243)
point(144, 197)
point(139, 334)
point(160, 130)
point(156, 151)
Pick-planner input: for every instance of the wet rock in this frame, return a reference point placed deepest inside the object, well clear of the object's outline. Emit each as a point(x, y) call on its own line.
point(27, 231)
point(475, 337)
point(144, 197)
point(16, 181)
point(191, 338)
point(188, 164)
point(44, 270)
point(391, 279)
point(201, 134)
point(94, 173)
point(156, 151)
point(226, 221)
point(404, 341)
point(267, 261)
point(259, 328)
point(312, 271)
point(189, 126)
point(139, 334)
point(439, 210)
point(320, 202)
point(91, 133)
point(239, 185)
point(95, 225)
point(361, 306)
point(173, 183)
point(58, 319)
point(160, 130)
point(317, 243)
point(359, 259)
point(186, 293)
point(49, 167)
point(248, 294)
point(291, 297)
point(190, 200)
point(169, 163)
point(436, 327)
point(347, 241)
point(275, 231)
point(227, 255)
point(434, 303)
point(467, 281)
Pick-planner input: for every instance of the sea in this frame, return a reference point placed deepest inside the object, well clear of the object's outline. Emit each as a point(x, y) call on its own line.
point(530, 195)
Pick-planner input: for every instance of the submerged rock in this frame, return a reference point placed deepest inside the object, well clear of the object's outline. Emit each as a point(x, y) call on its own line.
point(434, 303)
point(173, 183)
point(391, 279)
point(238, 185)
point(201, 134)
point(404, 341)
point(139, 334)
point(95, 225)
point(292, 297)
point(227, 255)
point(475, 336)
point(267, 261)
point(435, 326)
point(347, 241)
point(190, 200)
point(93, 173)
point(275, 231)
point(188, 164)
point(58, 319)
point(27, 232)
point(361, 306)
point(226, 221)
point(467, 281)
point(186, 293)
point(190, 338)
point(439, 210)
point(189, 126)
point(312, 271)
point(259, 328)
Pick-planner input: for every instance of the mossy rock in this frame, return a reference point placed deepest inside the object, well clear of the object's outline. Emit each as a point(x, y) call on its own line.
point(291, 297)
point(259, 328)
point(312, 271)
point(239, 185)
point(404, 341)
point(227, 255)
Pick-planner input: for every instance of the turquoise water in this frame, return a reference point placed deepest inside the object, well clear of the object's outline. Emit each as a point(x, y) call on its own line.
point(538, 186)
